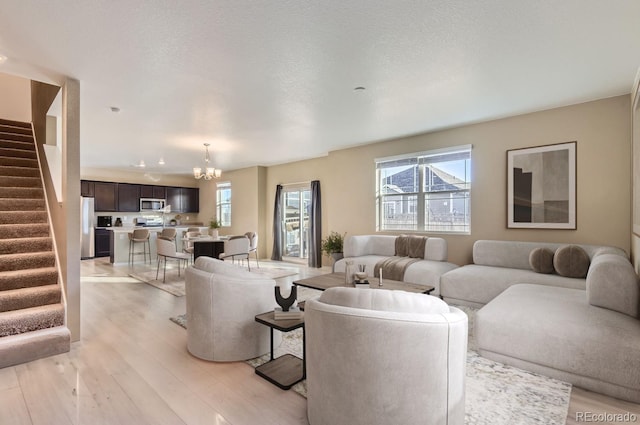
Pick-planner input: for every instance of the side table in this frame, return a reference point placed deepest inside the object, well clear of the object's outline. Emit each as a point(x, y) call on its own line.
point(286, 370)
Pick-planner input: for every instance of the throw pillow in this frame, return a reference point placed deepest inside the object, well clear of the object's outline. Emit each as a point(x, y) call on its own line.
point(541, 260)
point(571, 261)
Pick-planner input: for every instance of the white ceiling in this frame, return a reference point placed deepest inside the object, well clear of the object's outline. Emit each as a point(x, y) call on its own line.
point(272, 81)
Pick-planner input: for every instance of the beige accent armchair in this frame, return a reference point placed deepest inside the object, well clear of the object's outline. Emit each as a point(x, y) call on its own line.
point(222, 302)
point(383, 357)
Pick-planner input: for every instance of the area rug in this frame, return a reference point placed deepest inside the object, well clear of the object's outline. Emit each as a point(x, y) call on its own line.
point(496, 394)
point(173, 284)
point(274, 272)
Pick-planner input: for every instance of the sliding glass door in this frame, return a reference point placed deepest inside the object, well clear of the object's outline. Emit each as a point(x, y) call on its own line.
point(295, 225)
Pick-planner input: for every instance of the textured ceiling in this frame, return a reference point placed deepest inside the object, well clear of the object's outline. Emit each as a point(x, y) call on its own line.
point(269, 81)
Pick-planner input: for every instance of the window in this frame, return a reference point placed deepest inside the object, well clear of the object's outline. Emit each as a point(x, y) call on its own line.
point(223, 203)
point(425, 191)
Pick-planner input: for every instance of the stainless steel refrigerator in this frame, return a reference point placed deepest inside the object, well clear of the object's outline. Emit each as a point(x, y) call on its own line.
point(87, 217)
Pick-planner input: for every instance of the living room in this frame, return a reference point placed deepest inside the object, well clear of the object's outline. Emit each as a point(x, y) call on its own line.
point(130, 363)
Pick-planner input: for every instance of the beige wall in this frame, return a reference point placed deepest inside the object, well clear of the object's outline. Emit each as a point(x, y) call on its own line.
point(247, 202)
point(601, 129)
point(15, 93)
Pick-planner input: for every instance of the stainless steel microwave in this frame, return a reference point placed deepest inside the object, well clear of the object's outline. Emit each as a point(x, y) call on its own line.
point(149, 204)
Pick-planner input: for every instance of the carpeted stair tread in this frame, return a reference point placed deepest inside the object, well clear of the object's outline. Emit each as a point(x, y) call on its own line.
point(20, 182)
point(31, 319)
point(17, 299)
point(15, 231)
point(16, 279)
point(20, 245)
point(13, 123)
point(19, 204)
point(21, 192)
point(18, 153)
point(23, 348)
point(7, 170)
point(18, 162)
point(16, 136)
point(29, 260)
point(18, 145)
point(13, 129)
point(23, 217)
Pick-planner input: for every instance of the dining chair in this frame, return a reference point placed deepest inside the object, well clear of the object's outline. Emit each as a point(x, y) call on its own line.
point(253, 245)
point(187, 242)
point(166, 248)
point(237, 247)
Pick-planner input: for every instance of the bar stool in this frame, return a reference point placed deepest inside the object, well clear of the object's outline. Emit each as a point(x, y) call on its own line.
point(139, 236)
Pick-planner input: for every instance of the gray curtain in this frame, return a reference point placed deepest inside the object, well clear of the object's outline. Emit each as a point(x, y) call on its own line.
point(276, 254)
point(315, 226)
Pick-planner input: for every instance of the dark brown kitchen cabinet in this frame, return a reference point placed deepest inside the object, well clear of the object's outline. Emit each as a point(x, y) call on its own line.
point(102, 242)
point(159, 192)
point(174, 198)
point(128, 197)
point(87, 188)
point(153, 192)
point(106, 196)
point(146, 191)
point(190, 199)
point(183, 199)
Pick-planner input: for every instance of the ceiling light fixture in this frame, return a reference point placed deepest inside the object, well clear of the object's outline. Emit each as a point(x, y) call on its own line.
point(359, 88)
point(141, 164)
point(115, 109)
point(3, 58)
point(161, 161)
point(210, 172)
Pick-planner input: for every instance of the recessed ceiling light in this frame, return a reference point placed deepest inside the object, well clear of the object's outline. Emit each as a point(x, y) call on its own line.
point(359, 88)
point(141, 164)
point(161, 161)
point(115, 109)
point(3, 58)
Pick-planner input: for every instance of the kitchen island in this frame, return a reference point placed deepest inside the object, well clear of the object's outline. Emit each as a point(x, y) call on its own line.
point(119, 242)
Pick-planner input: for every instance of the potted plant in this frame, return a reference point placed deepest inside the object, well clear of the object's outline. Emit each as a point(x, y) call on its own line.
point(332, 245)
point(214, 225)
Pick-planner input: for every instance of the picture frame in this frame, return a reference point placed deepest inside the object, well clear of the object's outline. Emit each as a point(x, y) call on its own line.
point(541, 187)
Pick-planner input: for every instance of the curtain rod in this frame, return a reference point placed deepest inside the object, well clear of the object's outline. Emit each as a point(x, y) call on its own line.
point(295, 184)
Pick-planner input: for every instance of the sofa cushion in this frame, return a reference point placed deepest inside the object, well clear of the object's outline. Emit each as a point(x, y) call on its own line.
point(613, 283)
point(383, 300)
point(541, 260)
point(571, 261)
point(563, 332)
point(480, 284)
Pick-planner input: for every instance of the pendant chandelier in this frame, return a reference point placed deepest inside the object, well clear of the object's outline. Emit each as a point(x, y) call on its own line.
point(209, 172)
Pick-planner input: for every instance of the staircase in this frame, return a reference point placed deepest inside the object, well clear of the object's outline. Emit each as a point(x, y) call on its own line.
point(31, 307)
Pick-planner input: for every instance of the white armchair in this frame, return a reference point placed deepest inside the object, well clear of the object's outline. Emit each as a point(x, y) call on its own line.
point(222, 302)
point(384, 357)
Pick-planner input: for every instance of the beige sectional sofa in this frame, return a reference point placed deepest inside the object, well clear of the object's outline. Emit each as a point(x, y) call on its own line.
point(581, 330)
point(370, 249)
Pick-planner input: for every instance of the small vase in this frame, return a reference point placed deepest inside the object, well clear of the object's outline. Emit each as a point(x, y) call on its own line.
point(214, 233)
point(336, 256)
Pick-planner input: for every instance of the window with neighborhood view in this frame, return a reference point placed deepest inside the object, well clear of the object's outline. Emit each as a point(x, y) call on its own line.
point(425, 192)
point(223, 203)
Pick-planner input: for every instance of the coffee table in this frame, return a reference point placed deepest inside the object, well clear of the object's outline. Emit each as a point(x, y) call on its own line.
point(333, 280)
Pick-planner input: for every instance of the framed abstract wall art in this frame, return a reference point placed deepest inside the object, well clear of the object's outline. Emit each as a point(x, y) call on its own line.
point(541, 187)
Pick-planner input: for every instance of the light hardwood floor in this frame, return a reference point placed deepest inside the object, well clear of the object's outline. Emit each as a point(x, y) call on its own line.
point(132, 367)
